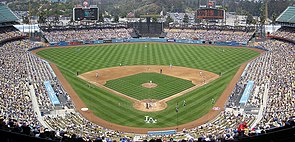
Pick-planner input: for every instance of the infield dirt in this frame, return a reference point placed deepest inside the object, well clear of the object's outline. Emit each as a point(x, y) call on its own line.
point(93, 118)
point(196, 76)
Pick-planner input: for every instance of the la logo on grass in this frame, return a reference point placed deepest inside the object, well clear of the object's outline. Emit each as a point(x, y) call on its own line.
point(150, 120)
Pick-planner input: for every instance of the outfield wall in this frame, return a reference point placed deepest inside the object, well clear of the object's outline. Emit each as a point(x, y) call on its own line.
point(186, 41)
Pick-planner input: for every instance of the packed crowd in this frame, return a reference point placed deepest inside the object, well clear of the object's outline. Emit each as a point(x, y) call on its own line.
point(257, 71)
point(74, 123)
point(9, 32)
point(288, 33)
point(39, 72)
point(209, 35)
point(20, 69)
point(281, 102)
point(87, 34)
point(15, 102)
point(224, 127)
point(275, 68)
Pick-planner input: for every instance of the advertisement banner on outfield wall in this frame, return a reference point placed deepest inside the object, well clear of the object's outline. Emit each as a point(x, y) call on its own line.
point(98, 42)
point(76, 43)
point(244, 43)
point(170, 40)
point(138, 40)
point(233, 43)
point(197, 42)
point(184, 41)
point(117, 40)
point(107, 41)
point(157, 40)
point(88, 42)
point(53, 44)
point(221, 43)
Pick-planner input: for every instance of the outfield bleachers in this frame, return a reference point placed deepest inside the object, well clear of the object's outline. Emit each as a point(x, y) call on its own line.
point(20, 69)
point(87, 34)
point(209, 35)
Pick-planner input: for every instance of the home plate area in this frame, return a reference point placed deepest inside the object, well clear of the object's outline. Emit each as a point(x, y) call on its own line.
point(149, 86)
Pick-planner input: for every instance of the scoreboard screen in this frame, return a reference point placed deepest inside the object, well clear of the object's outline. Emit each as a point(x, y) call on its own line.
point(80, 14)
point(210, 14)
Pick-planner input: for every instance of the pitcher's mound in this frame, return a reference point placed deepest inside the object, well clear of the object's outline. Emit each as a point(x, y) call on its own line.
point(149, 85)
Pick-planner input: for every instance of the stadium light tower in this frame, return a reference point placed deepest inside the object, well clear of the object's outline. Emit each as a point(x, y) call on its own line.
point(266, 12)
point(29, 17)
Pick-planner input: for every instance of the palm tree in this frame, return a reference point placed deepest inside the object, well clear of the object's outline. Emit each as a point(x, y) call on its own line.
point(273, 20)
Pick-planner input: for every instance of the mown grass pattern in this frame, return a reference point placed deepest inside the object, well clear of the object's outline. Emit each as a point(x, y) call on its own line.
point(166, 86)
point(118, 110)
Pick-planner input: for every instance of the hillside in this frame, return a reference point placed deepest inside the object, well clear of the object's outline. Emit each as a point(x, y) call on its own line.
point(141, 7)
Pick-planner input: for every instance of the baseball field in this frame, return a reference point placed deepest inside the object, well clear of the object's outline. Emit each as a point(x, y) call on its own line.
point(223, 62)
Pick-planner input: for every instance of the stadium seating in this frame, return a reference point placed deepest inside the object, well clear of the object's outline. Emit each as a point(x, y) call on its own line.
point(209, 35)
point(87, 35)
point(285, 33)
point(9, 32)
point(273, 67)
point(22, 75)
point(27, 113)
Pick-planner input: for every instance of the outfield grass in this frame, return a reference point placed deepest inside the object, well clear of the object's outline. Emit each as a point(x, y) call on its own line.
point(106, 105)
point(167, 86)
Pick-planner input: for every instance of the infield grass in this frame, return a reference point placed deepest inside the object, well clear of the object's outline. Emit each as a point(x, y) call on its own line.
point(166, 86)
point(119, 110)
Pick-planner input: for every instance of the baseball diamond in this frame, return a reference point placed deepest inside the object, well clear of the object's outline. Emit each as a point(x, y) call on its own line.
point(147, 70)
point(224, 61)
point(166, 85)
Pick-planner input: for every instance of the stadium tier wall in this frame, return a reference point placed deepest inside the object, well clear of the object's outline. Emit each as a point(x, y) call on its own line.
point(186, 41)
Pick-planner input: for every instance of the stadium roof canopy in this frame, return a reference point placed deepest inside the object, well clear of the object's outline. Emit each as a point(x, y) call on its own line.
point(288, 16)
point(6, 15)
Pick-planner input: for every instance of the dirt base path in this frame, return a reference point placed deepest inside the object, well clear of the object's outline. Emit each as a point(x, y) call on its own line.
point(196, 76)
point(93, 118)
point(103, 75)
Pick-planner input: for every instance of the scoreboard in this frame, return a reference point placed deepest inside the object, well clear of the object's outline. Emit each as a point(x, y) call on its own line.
point(85, 14)
point(210, 13)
